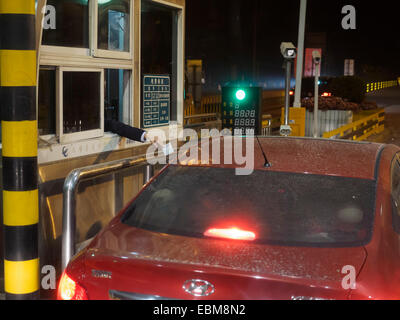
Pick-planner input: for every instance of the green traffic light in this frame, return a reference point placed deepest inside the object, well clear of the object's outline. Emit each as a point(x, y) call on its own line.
point(240, 94)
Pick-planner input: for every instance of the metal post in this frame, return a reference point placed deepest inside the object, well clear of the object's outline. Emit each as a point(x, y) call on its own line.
point(287, 89)
point(316, 97)
point(300, 53)
point(19, 134)
point(68, 221)
point(118, 191)
point(149, 173)
point(70, 189)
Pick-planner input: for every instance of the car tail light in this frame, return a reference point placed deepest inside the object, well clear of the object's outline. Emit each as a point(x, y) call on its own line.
point(68, 289)
point(327, 94)
point(231, 233)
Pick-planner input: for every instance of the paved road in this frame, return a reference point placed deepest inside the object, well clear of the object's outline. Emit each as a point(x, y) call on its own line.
point(390, 100)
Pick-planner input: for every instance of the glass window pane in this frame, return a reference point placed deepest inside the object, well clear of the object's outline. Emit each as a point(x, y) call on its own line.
point(72, 24)
point(290, 209)
point(81, 101)
point(47, 102)
point(113, 25)
point(156, 38)
point(158, 59)
point(117, 95)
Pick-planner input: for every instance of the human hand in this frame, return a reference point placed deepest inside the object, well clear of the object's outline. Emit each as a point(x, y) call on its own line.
point(153, 140)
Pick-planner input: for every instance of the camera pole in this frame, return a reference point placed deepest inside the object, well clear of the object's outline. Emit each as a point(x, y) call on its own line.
point(316, 97)
point(287, 89)
point(288, 51)
point(300, 51)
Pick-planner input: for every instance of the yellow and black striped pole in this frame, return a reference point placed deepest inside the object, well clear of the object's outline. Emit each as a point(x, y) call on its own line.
point(19, 135)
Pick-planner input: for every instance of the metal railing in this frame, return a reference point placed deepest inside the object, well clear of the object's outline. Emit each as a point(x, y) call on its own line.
point(211, 104)
point(379, 85)
point(361, 129)
point(70, 191)
point(201, 119)
point(266, 125)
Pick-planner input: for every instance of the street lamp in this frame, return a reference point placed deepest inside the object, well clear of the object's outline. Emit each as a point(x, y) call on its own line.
point(288, 51)
point(317, 63)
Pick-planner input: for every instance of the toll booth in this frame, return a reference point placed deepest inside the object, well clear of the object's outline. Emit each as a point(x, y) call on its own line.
point(97, 60)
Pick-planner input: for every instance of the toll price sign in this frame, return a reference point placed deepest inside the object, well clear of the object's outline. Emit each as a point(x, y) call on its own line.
point(156, 100)
point(241, 110)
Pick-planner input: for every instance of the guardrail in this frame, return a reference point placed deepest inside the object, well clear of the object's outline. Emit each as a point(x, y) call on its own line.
point(272, 102)
point(374, 86)
point(70, 191)
point(190, 108)
point(211, 104)
point(270, 125)
point(266, 125)
point(201, 119)
point(361, 129)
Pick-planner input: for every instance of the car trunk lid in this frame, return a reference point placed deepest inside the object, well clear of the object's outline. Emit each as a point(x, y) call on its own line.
point(154, 264)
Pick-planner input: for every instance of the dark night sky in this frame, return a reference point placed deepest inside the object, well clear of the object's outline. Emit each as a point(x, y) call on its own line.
point(221, 32)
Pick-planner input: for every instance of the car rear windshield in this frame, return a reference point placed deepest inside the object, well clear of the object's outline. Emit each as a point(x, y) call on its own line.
point(287, 209)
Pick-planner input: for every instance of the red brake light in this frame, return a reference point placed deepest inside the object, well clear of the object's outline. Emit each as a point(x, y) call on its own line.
point(68, 289)
point(231, 233)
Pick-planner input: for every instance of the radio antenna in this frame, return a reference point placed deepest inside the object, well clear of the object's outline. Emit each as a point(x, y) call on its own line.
point(267, 164)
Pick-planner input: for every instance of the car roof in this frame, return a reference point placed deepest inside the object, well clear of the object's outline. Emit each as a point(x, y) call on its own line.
point(302, 155)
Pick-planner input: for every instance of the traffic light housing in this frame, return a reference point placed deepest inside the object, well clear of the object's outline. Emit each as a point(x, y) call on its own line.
point(241, 110)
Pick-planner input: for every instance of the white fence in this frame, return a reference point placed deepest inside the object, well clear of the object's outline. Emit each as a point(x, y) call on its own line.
point(328, 120)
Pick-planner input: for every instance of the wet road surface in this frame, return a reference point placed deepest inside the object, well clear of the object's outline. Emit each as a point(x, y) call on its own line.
point(390, 100)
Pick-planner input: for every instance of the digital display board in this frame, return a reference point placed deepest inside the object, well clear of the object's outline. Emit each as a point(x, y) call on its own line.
point(156, 100)
point(241, 110)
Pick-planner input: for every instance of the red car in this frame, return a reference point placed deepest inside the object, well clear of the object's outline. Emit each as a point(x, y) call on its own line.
point(322, 222)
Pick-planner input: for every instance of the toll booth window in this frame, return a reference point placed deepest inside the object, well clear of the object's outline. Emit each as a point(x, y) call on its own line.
point(158, 63)
point(81, 101)
point(117, 95)
point(114, 25)
point(47, 101)
point(72, 24)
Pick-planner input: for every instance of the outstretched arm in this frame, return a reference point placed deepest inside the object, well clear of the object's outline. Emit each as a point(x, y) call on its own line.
point(126, 131)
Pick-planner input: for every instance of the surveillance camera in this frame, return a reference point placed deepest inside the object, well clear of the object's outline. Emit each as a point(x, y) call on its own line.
point(288, 50)
point(316, 56)
point(285, 130)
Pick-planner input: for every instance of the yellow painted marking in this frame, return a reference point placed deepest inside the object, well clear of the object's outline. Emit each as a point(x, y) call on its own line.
point(19, 138)
point(21, 277)
point(17, 6)
point(17, 68)
point(21, 208)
